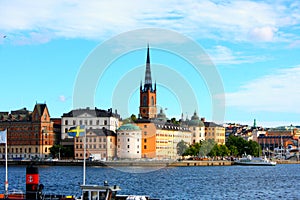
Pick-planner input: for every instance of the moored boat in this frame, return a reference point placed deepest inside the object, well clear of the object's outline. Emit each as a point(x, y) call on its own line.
point(254, 161)
point(34, 191)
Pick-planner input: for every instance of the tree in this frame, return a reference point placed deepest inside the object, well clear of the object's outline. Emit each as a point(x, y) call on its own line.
point(181, 147)
point(133, 118)
point(238, 146)
point(173, 121)
point(57, 151)
point(206, 147)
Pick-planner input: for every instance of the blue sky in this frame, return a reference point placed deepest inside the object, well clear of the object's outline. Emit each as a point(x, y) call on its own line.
point(254, 46)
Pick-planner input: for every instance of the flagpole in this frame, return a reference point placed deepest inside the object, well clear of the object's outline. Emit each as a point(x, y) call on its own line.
point(6, 168)
point(84, 152)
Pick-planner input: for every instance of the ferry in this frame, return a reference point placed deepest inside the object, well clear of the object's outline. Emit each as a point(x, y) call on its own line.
point(254, 161)
point(34, 191)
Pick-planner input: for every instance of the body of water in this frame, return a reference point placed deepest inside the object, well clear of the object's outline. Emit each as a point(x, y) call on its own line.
point(224, 182)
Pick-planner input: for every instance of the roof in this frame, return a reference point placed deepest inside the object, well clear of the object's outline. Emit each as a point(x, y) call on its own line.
point(102, 132)
point(94, 112)
point(40, 108)
point(211, 124)
point(129, 127)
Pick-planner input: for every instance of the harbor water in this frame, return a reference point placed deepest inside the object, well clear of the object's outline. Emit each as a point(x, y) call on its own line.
point(212, 182)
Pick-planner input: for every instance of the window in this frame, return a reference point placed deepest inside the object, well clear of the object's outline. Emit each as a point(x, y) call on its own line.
point(80, 122)
point(105, 122)
point(66, 130)
point(91, 122)
point(85, 122)
point(128, 146)
point(66, 122)
point(145, 146)
point(145, 132)
point(110, 140)
point(145, 126)
point(144, 100)
point(152, 101)
point(145, 140)
point(128, 140)
point(74, 122)
point(97, 122)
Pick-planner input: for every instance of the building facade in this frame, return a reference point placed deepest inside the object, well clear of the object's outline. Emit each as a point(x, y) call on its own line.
point(100, 143)
point(91, 118)
point(129, 142)
point(29, 134)
point(278, 137)
point(215, 132)
point(196, 126)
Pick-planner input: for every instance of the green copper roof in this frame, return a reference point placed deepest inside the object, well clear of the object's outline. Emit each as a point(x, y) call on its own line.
point(129, 127)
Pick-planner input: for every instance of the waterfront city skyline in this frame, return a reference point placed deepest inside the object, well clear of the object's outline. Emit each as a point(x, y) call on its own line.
point(253, 45)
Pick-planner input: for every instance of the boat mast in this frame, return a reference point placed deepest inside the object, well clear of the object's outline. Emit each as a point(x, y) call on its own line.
point(6, 168)
point(84, 152)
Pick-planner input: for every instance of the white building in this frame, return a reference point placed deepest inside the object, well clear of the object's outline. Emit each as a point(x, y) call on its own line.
point(197, 127)
point(129, 137)
point(91, 118)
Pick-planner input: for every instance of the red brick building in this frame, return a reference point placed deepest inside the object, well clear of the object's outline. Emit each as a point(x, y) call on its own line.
point(29, 134)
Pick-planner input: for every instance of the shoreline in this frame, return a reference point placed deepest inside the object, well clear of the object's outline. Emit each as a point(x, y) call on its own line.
point(185, 163)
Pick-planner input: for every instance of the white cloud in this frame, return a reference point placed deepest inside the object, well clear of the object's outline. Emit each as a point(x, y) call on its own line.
point(264, 34)
point(62, 98)
point(235, 21)
point(223, 55)
point(278, 92)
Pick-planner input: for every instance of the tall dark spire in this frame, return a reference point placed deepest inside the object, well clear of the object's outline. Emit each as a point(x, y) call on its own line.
point(148, 80)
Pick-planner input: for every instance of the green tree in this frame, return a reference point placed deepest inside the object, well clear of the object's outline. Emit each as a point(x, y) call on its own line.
point(206, 147)
point(181, 147)
point(193, 150)
point(133, 118)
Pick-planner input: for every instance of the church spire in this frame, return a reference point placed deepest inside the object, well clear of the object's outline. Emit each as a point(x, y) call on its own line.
point(148, 80)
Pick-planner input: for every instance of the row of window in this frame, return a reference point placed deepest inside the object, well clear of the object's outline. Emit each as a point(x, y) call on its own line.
point(136, 133)
point(81, 155)
point(21, 150)
point(128, 146)
point(93, 140)
point(94, 146)
point(128, 139)
point(85, 122)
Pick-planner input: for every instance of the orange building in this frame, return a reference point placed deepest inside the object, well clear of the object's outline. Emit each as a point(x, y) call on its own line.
point(148, 138)
point(29, 134)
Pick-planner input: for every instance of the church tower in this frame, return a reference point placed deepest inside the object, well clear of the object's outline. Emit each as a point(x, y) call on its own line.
point(148, 94)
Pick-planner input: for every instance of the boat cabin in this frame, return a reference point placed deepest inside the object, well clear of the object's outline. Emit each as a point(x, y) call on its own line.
point(99, 192)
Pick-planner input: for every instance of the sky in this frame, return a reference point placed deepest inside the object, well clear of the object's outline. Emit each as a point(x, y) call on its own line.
point(249, 52)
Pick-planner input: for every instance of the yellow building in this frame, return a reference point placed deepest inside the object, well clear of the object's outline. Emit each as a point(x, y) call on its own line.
point(100, 143)
point(160, 139)
point(215, 132)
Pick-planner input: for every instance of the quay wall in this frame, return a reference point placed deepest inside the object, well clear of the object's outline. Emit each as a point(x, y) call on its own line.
point(188, 163)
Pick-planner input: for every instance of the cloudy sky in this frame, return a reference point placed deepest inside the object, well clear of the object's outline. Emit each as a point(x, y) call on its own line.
point(254, 45)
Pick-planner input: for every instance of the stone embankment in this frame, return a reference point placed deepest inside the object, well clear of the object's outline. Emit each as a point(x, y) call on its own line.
point(156, 163)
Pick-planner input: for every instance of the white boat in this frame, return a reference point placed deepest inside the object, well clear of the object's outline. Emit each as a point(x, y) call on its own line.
point(254, 161)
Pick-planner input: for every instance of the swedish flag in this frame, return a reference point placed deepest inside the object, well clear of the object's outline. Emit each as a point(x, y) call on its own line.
point(76, 131)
